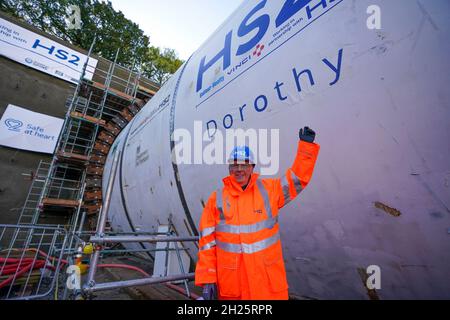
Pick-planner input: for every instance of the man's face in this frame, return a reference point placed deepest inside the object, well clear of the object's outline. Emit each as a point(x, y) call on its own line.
point(241, 172)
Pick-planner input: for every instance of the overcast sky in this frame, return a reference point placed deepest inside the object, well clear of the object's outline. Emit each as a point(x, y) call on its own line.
point(182, 25)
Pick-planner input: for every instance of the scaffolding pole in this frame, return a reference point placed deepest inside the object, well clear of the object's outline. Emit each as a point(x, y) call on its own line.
point(102, 219)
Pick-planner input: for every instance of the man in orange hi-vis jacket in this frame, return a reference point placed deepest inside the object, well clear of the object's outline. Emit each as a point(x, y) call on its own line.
point(240, 254)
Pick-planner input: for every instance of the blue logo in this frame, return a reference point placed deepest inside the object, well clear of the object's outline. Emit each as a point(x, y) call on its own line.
point(13, 124)
point(257, 23)
point(58, 53)
point(29, 60)
point(251, 23)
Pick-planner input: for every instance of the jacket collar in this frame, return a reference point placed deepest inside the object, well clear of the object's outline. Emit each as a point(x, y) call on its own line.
point(234, 188)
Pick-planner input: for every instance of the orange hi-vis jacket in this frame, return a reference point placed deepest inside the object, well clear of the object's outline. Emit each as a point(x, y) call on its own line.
point(239, 247)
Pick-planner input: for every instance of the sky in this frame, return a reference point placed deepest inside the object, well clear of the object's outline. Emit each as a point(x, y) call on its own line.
point(182, 25)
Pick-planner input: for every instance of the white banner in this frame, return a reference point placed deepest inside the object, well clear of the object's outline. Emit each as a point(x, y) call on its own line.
point(24, 129)
point(43, 54)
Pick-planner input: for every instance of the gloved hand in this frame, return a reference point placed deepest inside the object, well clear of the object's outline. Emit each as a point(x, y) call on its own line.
point(210, 291)
point(307, 134)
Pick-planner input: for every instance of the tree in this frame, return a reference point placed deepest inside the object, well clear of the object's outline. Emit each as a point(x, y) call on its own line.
point(159, 66)
point(98, 19)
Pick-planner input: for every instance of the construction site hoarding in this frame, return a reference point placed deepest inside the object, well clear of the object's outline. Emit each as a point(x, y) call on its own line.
point(27, 130)
point(43, 54)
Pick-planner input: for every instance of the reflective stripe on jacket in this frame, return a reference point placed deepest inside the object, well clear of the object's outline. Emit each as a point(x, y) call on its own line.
point(239, 246)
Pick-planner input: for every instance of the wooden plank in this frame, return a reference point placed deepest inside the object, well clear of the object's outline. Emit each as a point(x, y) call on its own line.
point(60, 202)
point(105, 137)
point(78, 115)
point(93, 183)
point(94, 195)
point(119, 93)
point(95, 170)
point(152, 92)
point(133, 108)
point(119, 121)
point(101, 147)
point(112, 128)
point(73, 156)
point(97, 158)
point(126, 114)
point(139, 103)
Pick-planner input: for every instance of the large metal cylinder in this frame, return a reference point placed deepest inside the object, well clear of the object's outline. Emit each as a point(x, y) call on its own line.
point(379, 102)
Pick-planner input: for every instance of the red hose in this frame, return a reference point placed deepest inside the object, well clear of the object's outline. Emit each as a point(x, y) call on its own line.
point(182, 291)
point(41, 263)
point(17, 267)
point(39, 251)
point(11, 268)
point(12, 260)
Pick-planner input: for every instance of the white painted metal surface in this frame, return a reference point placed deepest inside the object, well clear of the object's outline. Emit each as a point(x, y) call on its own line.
point(382, 118)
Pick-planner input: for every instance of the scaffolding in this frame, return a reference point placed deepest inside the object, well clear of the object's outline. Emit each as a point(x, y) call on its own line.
point(97, 112)
point(101, 238)
point(70, 189)
point(31, 272)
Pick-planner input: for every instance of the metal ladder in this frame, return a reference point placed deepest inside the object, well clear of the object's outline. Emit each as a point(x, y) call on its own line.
point(30, 211)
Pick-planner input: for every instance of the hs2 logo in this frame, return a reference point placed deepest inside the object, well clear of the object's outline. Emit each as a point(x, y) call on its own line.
point(252, 22)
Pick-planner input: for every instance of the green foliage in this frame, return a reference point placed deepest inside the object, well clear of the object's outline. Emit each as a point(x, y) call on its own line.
point(98, 19)
point(158, 65)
